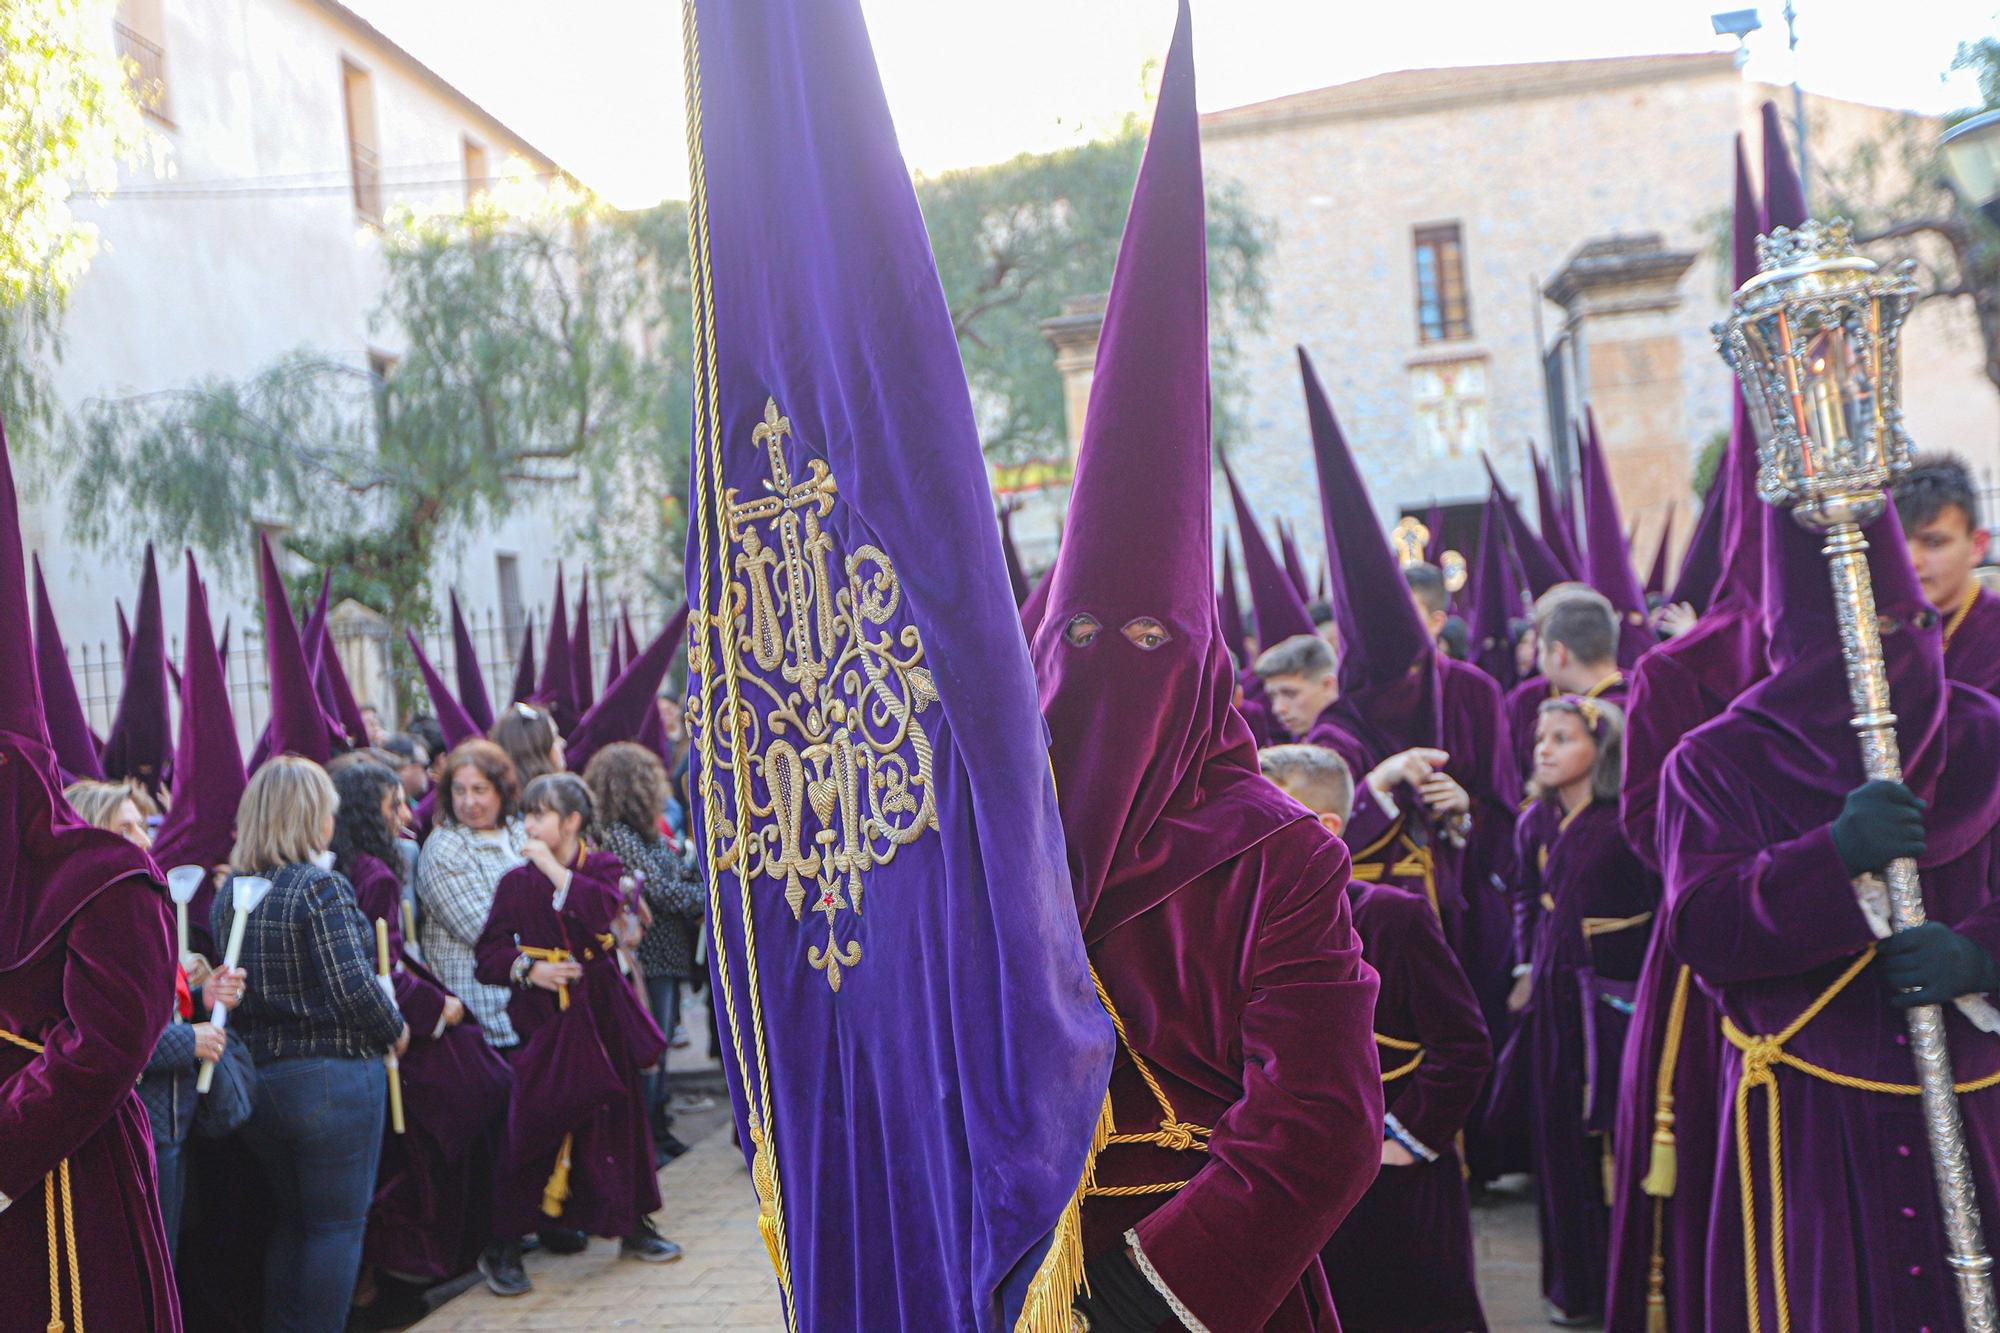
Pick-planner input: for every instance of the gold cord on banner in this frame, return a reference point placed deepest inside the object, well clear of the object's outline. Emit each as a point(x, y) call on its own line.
point(54, 1184)
point(706, 501)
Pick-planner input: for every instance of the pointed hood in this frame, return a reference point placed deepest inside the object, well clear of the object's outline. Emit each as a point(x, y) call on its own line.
point(51, 863)
point(1229, 608)
point(471, 680)
point(330, 683)
point(69, 728)
point(1388, 661)
point(1656, 578)
point(1723, 563)
point(452, 718)
point(140, 744)
point(1556, 529)
point(625, 632)
point(1784, 192)
point(1496, 600)
point(1295, 568)
point(557, 689)
point(524, 666)
point(582, 652)
point(1155, 770)
point(1538, 563)
point(1276, 604)
point(1017, 573)
point(1037, 604)
point(621, 714)
point(299, 725)
point(1608, 559)
point(209, 780)
point(124, 632)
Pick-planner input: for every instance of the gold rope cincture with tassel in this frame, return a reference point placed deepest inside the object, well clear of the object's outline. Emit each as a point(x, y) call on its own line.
point(1174, 1134)
point(1761, 1058)
point(55, 1183)
point(1398, 1044)
point(1371, 864)
point(706, 468)
point(1663, 1168)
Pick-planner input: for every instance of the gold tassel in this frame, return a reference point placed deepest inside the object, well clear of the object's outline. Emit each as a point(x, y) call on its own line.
point(1664, 1171)
point(556, 1192)
point(1050, 1294)
point(765, 1183)
point(1656, 1275)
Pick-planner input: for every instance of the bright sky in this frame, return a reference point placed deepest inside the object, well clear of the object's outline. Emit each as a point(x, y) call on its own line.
point(596, 83)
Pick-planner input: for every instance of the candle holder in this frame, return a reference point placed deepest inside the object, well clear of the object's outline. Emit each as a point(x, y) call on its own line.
point(1815, 339)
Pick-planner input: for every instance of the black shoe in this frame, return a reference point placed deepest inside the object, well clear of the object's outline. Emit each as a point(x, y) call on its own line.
point(500, 1265)
point(670, 1147)
point(648, 1246)
point(562, 1240)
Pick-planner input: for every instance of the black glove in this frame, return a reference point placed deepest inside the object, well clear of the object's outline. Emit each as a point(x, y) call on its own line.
point(1881, 822)
point(1116, 1297)
point(1934, 964)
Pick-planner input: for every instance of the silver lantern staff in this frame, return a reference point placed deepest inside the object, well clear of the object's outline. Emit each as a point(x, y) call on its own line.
point(1815, 340)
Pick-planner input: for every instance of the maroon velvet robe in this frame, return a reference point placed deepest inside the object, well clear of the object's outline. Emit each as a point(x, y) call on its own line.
point(1267, 1059)
point(97, 996)
point(1760, 905)
point(1580, 876)
point(611, 1180)
point(433, 1190)
point(1402, 1261)
point(1972, 652)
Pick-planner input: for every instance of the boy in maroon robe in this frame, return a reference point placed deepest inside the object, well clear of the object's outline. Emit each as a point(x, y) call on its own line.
point(87, 962)
point(1247, 1094)
point(1939, 508)
point(1576, 647)
point(579, 1154)
point(1402, 1261)
point(1765, 822)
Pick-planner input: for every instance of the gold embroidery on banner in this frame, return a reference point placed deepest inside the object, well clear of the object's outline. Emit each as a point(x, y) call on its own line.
point(838, 766)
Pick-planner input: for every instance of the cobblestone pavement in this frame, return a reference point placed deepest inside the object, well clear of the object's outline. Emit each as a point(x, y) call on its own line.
point(725, 1281)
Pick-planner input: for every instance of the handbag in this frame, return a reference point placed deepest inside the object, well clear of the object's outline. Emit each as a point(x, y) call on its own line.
point(231, 1097)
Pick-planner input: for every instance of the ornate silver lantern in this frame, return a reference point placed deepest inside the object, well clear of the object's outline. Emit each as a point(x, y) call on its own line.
point(1815, 340)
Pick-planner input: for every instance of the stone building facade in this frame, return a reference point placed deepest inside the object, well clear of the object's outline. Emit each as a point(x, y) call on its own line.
point(1469, 253)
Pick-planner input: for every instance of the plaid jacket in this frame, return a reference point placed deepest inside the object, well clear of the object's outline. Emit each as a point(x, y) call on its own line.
point(309, 971)
point(457, 875)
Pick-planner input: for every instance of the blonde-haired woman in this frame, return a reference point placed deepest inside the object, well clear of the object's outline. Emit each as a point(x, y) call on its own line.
point(167, 1085)
point(317, 1025)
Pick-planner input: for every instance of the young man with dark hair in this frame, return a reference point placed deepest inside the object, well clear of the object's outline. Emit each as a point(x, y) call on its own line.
point(1576, 636)
point(1433, 598)
point(1403, 1258)
point(1939, 507)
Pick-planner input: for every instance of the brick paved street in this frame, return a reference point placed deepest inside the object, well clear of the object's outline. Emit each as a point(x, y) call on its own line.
point(724, 1281)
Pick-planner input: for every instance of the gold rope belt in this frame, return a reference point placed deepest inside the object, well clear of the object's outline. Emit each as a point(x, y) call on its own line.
point(1173, 1134)
point(1761, 1058)
point(1398, 1044)
point(1417, 862)
point(542, 955)
point(1663, 1171)
point(56, 1180)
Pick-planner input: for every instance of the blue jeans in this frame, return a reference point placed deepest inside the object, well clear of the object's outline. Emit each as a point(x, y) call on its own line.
point(172, 1169)
point(317, 1132)
point(663, 997)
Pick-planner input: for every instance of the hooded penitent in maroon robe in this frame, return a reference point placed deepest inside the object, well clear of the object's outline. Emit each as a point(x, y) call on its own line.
point(1660, 1219)
point(140, 743)
point(1402, 1261)
point(69, 729)
point(434, 1187)
point(578, 1115)
point(1610, 556)
point(1760, 905)
point(1212, 904)
point(1591, 902)
point(86, 983)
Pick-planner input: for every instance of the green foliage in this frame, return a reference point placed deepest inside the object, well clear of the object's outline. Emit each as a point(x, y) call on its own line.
point(544, 350)
point(66, 120)
point(1708, 463)
point(1015, 240)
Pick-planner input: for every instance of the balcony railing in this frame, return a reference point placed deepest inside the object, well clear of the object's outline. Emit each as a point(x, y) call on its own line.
point(367, 167)
point(148, 70)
